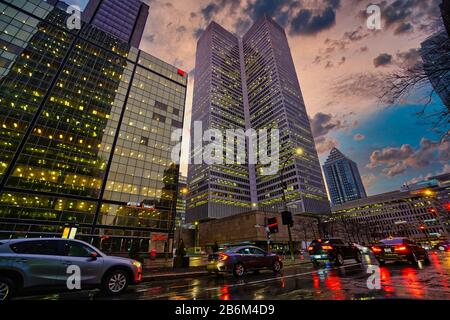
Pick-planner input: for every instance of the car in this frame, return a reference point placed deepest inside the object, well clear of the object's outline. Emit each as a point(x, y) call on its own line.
point(332, 250)
point(399, 249)
point(443, 246)
point(239, 260)
point(50, 264)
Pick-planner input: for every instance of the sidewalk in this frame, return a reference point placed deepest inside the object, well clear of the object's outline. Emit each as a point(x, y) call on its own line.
point(162, 269)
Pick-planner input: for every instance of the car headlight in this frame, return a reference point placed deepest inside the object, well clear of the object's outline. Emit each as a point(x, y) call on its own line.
point(137, 264)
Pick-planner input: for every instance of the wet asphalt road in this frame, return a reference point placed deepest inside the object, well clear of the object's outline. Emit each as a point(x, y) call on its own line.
point(349, 282)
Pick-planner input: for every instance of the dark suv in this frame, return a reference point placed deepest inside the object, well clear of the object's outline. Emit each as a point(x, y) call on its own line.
point(239, 260)
point(50, 264)
point(400, 249)
point(332, 250)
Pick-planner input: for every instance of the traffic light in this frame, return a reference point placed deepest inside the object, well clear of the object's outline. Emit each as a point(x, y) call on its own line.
point(286, 217)
point(272, 225)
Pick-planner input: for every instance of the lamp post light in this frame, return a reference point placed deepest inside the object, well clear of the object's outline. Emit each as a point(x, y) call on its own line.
point(184, 191)
point(196, 234)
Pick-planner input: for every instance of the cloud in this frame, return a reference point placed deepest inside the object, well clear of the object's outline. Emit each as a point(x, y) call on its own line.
point(382, 60)
point(198, 33)
point(213, 8)
point(323, 124)
point(359, 137)
point(325, 144)
point(307, 22)
point(369, 180)
point(409, 58)
point(405, 27)
point(395, 161)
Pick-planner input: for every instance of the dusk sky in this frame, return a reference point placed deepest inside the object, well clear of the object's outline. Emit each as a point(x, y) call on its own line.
point(339, 63)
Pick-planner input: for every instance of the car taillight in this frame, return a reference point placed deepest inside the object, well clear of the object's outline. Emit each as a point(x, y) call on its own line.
point(327, 247)
point(310, 248)
point(223, 257)
point(401, 249)
point(376, 249)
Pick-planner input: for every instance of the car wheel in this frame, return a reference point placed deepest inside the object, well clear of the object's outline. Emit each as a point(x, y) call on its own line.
point(339, 261)
point(6, 288)
point(116, 282)
point(277, 266)
point(315, 264)
point(426, 259)
point(414, 259)
point(238, 270)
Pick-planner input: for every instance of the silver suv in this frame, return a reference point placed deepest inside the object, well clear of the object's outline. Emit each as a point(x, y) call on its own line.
point(61, 264)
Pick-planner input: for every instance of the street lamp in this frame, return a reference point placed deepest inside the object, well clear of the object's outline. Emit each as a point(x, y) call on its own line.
point(196, 234)
point(184, 191)
point(298, 152)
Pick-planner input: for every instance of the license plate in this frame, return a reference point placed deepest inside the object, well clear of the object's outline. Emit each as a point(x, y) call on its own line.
point(388, 250)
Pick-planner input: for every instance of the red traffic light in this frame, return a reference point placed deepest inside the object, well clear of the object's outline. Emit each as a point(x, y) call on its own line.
point(272, 224)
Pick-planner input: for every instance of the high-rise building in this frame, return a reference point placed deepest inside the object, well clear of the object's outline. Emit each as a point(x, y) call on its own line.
point(85, 137)
point(445, 10)
point(343, 178)
point(275, 101)
point(216, 191)
point(125, 19)
point(244, 83)
point(435, 52)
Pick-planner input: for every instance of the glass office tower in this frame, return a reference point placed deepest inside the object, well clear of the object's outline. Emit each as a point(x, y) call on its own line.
point(86, 122)
point(343, 179)
point(243, 83)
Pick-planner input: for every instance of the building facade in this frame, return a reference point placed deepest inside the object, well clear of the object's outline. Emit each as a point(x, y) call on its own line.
point(217, 190)
point(248, 227)
point(435, 52)
point(420, 212)
point(445, 10)
point(251, 83)
point(124, 19)
point(85, 138)
point(343, 178)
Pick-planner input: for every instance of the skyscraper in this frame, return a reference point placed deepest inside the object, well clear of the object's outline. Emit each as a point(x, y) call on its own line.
point(216, 191)
point(343, 178)
point(252, 83)
point(275, 101)
point(435, 52)
point(445, 10)
point(125, 19)
point(85, 132)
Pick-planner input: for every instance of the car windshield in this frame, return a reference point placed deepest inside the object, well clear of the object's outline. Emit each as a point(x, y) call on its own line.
point(392, 241)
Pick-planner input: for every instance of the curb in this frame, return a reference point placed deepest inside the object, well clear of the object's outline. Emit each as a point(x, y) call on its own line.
point(196, 274)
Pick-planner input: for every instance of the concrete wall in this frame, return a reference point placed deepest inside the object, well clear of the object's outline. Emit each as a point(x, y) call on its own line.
point(241, 228)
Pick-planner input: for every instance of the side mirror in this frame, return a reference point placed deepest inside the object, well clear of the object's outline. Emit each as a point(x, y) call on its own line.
point(94, 255)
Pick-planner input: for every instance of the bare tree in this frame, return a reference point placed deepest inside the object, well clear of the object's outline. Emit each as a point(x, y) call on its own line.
point(415, 77)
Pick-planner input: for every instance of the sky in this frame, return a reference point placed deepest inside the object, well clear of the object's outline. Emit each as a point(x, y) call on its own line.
point(340, 64)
